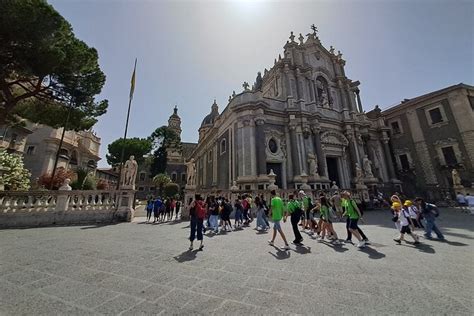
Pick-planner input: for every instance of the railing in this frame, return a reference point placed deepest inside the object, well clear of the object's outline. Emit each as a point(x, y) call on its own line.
point(43, 201)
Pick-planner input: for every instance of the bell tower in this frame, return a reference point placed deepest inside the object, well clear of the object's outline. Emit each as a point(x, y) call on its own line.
point(174, 122)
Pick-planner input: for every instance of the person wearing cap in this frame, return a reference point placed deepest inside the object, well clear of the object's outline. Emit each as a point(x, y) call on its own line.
point(294, 208)
point(413, 212)
point(403, 218)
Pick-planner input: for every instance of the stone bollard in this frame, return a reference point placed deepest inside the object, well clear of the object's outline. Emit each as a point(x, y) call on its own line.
point(62, 203)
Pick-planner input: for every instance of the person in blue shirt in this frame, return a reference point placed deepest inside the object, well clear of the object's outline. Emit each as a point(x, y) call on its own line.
point(149, 209)
point(156, 209)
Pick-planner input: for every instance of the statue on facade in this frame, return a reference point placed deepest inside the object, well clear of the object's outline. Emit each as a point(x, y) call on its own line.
point(191, 171)
point(334, 186)
point(456, 178)
point(324, 99)
point(258, 82)
point(130, 172)
point(359, 173)
point(312, 164)
point(368, 167)
point(245, 85)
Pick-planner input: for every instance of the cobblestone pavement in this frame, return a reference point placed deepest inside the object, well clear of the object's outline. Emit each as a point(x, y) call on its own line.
point(136, 268)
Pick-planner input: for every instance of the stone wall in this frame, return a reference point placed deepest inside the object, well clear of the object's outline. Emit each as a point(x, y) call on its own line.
point(46, 208)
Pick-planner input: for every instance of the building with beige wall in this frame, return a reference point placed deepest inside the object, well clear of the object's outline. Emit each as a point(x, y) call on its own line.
point(79, 149)
point(431, 135)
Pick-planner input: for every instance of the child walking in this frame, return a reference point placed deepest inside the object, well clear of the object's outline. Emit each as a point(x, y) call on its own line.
point(403, 218)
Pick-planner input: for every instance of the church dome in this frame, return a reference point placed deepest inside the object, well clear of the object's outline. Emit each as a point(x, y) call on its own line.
point(211, 117)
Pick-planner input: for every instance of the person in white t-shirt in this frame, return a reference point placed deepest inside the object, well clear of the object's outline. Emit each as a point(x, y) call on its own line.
point(462, 202)
point(470, 203)
point(403, 218)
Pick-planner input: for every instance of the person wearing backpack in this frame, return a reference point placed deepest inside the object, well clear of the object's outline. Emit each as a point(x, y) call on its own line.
point(197, 214)
point(404, 219)
point(429, 212)
point(353, 215)
point(294, 208)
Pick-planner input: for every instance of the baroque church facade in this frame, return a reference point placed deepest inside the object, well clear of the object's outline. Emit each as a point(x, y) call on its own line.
point(303, 120)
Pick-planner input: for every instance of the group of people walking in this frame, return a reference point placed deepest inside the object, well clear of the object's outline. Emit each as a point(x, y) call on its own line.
point(162, 210)
point(315, 217)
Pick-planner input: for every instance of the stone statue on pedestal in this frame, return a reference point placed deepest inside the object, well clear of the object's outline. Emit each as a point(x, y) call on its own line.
point(191, 171)
point(324, 99)
point(65, 186)
point(312, 164)
point(334, 186)
point(456, 178)
point(130, 172)
point(368, 167)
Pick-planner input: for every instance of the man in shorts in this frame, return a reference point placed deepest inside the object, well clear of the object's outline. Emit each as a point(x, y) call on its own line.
point(276, 213)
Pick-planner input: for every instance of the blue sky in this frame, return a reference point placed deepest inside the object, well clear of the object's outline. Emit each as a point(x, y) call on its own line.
point(190, 52)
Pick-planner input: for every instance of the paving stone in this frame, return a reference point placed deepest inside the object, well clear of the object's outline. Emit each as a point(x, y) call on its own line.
point(25, 277)
point(118, 304)
point(96, 298)
point(69, 290)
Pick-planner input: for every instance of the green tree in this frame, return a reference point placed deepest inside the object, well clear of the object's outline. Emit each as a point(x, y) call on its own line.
point(170, 190)
point(137, 147)
point(84, 180)
point(44, 68)
point(161, 180)
point(15, 177)
point(162, 139)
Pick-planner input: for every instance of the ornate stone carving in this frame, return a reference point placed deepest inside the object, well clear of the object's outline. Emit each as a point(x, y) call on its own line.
point(245, 85)
point(312, 165)
point(359, 173)
point(65, 186)
point(277, 139)
point(368, 167)
point(334, 138)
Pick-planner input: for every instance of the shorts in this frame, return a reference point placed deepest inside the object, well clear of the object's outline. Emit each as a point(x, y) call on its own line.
point(353, 223)
point(405, 230)
point(276, 225)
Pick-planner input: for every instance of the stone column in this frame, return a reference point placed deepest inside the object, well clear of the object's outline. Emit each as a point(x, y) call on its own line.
point(260, 147)
point(359, 102)
point(388, 158)
point(319, 151)
point(294, 151)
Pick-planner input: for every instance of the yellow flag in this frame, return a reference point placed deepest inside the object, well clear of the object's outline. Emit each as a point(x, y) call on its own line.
point(132, 82)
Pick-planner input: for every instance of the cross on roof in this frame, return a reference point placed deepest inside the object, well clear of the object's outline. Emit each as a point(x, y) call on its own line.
point(314, 28)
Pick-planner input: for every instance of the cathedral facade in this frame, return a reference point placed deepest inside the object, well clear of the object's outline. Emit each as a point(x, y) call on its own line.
point(303, 120)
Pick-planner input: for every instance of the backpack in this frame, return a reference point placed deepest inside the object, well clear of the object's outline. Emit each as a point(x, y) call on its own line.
point(432, 209)
point(200, 211)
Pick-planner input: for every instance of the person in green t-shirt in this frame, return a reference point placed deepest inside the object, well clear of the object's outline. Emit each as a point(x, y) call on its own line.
point(276, 214)
point(306, 207)
point(353, 215)
point(294, 208)
point(326, 221)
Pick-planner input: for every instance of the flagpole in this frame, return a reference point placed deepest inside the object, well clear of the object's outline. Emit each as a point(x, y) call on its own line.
point(132, 88)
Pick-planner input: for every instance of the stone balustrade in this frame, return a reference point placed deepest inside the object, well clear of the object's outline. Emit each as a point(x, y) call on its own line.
point(43, 208)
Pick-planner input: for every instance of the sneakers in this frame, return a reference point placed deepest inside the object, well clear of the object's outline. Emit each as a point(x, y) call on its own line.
point(286, 247)
point(201, 247)
point(271, 243)
point(347, 241)
point(336, 242)
point(398, 241)
point(361, 244)
point(367, 242)
point(191, 247)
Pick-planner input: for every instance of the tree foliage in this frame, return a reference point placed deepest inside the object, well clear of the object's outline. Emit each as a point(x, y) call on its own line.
point(15, 177)
point(45, 68)
point(137, 147)
point(83, 181)
point(170, 190)
point(162, 139)
point(160, 180)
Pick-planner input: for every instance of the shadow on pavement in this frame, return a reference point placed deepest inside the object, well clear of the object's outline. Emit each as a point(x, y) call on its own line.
point(425, 248)
point(302, 249)
point(188, 255)
point(280, 254)
point(98, 226)
point(338, 248)
point(373, 253)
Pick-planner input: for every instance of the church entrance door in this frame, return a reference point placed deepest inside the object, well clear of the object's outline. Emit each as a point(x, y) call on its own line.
point(333, 173)
point(276, 170)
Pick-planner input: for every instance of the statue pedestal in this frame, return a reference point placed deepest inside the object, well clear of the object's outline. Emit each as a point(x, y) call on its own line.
point(189, 193)
point(362, 191)
point(371, 181)
point(460, 189)
point(127, 187)
point(125, 211)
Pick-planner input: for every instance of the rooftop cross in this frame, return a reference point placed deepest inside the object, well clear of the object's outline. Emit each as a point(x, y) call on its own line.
point(315, 29)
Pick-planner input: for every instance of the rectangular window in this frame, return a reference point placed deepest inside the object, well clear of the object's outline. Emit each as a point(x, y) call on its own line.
point(404, 163)
point(142, 176)
point(449, 156)
point(30, 150)
point(174, 176)
point(395, 128)
point(436, 116)
point(209, 158)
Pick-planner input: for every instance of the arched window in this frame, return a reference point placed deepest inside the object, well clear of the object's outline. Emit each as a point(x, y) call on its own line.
point(73, 160)
point(64, 154)
point(223, 146)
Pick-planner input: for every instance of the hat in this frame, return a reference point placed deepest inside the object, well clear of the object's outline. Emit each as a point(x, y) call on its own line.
point(408, 203)
point(396, 204)
point(301, 192)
